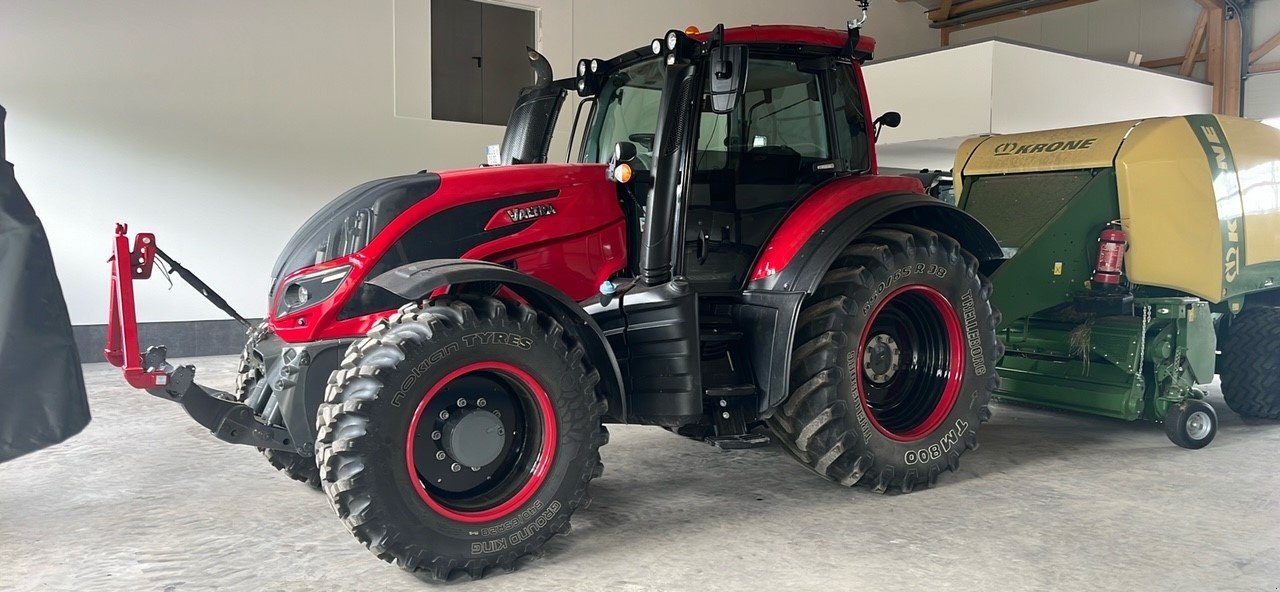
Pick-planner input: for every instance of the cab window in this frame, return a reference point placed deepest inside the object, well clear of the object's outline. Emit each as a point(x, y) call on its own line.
point(628, 112)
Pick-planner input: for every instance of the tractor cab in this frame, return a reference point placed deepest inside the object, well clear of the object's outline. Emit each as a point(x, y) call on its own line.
point(711, 141)
point(754, 119)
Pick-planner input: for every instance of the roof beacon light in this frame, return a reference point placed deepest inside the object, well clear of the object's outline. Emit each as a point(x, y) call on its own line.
point(691, 31)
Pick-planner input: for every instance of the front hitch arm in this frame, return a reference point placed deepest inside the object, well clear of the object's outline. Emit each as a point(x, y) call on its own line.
point(228, 419)
point(216, 410)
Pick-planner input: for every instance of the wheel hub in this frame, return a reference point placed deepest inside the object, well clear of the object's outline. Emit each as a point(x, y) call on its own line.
point(882, 358)
point(1198, 425)
point(474, 437)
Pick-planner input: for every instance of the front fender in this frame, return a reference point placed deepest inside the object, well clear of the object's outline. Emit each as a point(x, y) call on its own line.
point(417, 281)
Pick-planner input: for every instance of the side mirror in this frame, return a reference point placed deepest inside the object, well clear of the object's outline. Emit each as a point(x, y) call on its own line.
point(890, 119)
point(620, 169)
point(728, 77)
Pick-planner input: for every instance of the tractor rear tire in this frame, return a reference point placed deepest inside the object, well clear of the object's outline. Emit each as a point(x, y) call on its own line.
point(1250, 366)
point(893, 362)
point(460, 436)
point(296, 466)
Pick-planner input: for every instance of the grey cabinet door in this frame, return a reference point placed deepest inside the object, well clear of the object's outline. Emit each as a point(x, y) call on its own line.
point(457, 53)
point(507, 33)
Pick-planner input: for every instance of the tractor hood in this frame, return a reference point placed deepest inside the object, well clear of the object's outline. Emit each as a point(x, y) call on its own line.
point(348, 223)
point(357, 218)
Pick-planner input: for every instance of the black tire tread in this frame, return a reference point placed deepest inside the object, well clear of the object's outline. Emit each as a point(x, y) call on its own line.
point(805, 428)
point(1250, 367)
point(355, 386)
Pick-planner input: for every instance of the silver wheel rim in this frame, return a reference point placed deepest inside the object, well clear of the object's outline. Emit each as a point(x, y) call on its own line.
point(1198, 425)
point(884, 345)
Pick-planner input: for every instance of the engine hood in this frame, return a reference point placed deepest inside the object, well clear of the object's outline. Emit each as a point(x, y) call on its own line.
point(356, 218)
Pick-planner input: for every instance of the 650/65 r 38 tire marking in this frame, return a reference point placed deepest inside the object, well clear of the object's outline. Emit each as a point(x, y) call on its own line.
point(538, 467)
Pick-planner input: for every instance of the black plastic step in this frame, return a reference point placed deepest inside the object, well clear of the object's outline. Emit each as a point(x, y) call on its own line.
point(739, 441)
point(731, 391)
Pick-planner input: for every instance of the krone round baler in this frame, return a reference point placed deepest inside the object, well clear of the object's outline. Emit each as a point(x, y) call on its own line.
point(1135, 252)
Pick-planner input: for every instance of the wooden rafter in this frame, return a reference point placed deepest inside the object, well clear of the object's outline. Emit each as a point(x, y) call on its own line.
point(1267, 47)
point(1175, 61)
point(1006, 17)
point(1192, 55)
point(1264, 68)
point(962, 8)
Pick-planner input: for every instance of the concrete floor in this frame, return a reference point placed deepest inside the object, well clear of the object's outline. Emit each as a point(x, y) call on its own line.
point(144, 500)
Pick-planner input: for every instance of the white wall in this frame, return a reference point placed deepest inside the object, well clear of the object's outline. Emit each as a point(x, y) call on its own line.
point(221, 126)
point(997, 87)
point(1110, 29)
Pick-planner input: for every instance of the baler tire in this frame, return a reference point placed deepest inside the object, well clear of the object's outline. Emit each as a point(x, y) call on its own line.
point(827, 422)
point(1250, 367)
point(370, 421)
point(297, 467)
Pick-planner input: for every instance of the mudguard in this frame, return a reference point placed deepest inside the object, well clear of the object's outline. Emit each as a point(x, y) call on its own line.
point(417, 281)
point(820, 249)
point(801, 274)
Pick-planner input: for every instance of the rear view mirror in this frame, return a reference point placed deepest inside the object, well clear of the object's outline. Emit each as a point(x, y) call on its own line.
point(890, 119)
point(728, 77)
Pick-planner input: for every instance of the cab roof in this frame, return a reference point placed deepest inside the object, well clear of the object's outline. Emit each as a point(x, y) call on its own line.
point(792, 35)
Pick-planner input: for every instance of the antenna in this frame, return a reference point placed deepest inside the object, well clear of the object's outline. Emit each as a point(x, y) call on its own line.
point(864, 5)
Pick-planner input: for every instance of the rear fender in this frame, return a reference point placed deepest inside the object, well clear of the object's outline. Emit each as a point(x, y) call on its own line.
point(801, 273)
point(417, 281)
point(804, 270)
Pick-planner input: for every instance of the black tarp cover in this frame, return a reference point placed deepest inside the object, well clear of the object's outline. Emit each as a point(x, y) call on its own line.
point(42, 396)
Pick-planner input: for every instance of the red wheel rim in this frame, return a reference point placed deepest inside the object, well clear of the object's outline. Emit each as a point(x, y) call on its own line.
point(540, 467)
point(947, 333)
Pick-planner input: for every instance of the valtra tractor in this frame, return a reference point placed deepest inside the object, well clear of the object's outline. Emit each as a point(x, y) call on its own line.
point(443, 350)
point(1142, 259)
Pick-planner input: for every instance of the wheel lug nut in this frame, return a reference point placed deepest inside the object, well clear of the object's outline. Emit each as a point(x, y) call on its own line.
point(444, 414)
point(497, 413)
point(475, 469)
point(435, 435)
point(481, 402)
point(440, 455)
point(462, 402)
point(455, 467)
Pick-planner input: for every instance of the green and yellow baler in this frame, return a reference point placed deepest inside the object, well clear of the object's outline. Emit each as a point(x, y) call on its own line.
point(1141, 258)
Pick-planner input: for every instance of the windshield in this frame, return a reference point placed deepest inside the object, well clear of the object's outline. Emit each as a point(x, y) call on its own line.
point(629, 104)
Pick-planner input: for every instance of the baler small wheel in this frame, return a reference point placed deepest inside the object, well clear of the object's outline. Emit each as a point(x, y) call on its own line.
point(1250, 364)
point(1191, 424)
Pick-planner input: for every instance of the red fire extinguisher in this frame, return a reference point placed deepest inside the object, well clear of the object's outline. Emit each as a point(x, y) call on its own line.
point(1112, 245)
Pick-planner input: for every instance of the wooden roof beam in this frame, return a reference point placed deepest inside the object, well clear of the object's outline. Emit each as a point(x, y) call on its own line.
point(1191, 56)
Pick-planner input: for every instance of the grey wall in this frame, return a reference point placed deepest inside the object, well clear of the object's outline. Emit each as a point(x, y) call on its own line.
point(221, 126)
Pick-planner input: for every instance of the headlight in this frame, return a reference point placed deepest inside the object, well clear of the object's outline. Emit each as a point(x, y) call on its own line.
point(309, 290)
point(657, 47)
point(673, 39)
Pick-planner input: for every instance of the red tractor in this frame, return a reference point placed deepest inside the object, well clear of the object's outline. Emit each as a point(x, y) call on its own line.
point(443, 350)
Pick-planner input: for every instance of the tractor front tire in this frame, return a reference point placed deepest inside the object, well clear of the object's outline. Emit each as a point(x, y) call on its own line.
point(460, 436)
point(296, 466)
point(893, 362)
point(1250, 366)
